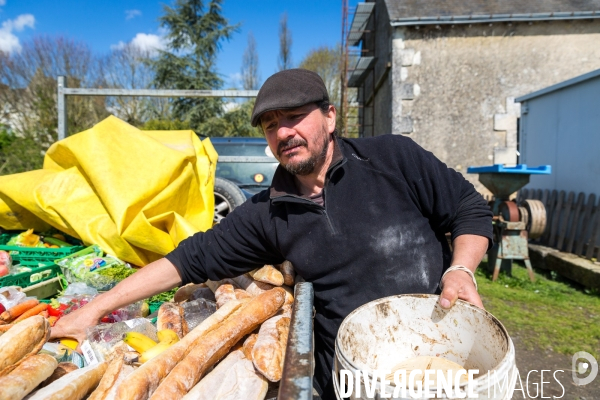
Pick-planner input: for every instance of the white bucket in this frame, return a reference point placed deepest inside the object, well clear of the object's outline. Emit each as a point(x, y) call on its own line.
point(385, 332)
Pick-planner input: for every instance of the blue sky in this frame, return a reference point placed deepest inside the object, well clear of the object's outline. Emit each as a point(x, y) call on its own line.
point(106, 23)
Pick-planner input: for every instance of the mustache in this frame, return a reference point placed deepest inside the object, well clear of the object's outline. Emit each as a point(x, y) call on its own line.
point(289, 144)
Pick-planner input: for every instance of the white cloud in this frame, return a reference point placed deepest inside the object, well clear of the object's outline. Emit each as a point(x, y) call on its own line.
point(2, 2)
point(8, 41)
point(144, 41)
point(130, 14)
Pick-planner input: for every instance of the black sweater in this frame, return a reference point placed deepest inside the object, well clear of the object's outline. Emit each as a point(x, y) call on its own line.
point(388, 204)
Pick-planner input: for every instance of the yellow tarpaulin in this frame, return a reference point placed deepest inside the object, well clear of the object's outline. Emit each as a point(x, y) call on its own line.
point(135, 193)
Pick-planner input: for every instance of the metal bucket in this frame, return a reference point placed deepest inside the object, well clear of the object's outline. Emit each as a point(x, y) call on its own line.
point(385, 332)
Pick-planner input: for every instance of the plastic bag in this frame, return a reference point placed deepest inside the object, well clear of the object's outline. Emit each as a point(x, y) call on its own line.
point(63, 353)
point(10, 296)
point(131, 311)
point(26, 239)
point(103, 337)
point(80, 288)
point(196, 311)
point(90, 266)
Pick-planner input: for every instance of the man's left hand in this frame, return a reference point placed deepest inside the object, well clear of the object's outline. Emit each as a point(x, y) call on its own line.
point(459, 285)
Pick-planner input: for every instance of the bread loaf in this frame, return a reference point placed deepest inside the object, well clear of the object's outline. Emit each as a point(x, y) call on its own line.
point(214, 285)
point(249, 345)
point(286, 311)
point(251, 286)
point(108, 379)
point(233, 379)
point(242, 294)
point(287, 270)
point(267, 274)
point(61, 370)
point(185, 293)
point(215, 344)
point(171, 316)
point(144, 381)
point(24, 339)
point(289, 298)
point(268, 353)
point(121, 379)
point(73, 386)
point(26, 376)
point(224, 293)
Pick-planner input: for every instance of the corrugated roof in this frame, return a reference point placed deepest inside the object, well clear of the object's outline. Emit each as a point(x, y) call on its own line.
point(359, 22)
point(360, 71)
point(561, 85)
point(420, 12)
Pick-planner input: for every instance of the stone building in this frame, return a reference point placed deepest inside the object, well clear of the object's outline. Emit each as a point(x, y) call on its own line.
point(446, 73)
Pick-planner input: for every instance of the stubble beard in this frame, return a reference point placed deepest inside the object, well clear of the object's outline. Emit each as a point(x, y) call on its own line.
point(304, 167)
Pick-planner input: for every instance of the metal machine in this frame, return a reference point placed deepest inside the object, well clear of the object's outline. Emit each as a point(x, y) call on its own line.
point(513, 224)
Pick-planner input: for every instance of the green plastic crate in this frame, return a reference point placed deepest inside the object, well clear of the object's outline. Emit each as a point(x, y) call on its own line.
point(40, 272)
point(21, 254)
point(38, 254)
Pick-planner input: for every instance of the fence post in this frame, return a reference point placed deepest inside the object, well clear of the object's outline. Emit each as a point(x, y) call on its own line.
point(61, 105)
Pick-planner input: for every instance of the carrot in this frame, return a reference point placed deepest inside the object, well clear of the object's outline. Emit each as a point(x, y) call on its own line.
point(19, 309)
point(44, 314)
point(32, 311)
point(52, 320)
point(4, 328)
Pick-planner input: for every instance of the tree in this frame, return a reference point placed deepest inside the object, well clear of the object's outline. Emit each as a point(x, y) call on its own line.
point(250, 74)
point(28, 97)
point(233, 123)
point(285, 45)
point(327, 62)
point(194, 37)
point(128, 67)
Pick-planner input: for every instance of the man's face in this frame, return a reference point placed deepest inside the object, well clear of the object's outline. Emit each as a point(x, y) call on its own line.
point(299, 137)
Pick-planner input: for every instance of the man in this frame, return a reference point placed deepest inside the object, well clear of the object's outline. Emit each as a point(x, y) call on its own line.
point(361, 219)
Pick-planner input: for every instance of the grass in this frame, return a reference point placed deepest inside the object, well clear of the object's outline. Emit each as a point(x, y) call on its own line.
point(551, 313)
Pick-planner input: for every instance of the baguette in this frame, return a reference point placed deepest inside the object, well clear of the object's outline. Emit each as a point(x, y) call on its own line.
point(61, 370)
point(171, 316)
point(27, 376)
point(213, 285)
point(224, 293)
point(285, 311)
point(108, 379)
point(241, 294)
point(268, 353)
point(254, 288)
point(288, 272)
point(23, 339)
point(267, 274)
point(233, 379)
point(144, 381)
point(217, 343)
point(289, 297)
point(249, 345)
point(73, 386)
point(121, 378)
point(185, 292)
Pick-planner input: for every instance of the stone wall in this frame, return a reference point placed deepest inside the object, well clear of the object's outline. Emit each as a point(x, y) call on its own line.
point(463, 80)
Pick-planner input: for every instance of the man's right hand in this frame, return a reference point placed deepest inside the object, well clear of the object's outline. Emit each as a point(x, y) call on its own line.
point(156, 277)
point(74, 325)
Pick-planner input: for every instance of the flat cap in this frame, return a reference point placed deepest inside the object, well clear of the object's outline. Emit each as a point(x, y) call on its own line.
point(289, 88)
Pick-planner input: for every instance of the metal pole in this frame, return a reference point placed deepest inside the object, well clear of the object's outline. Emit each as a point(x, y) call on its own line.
point(297, 378)
point(159, 92)
point(61, 105)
